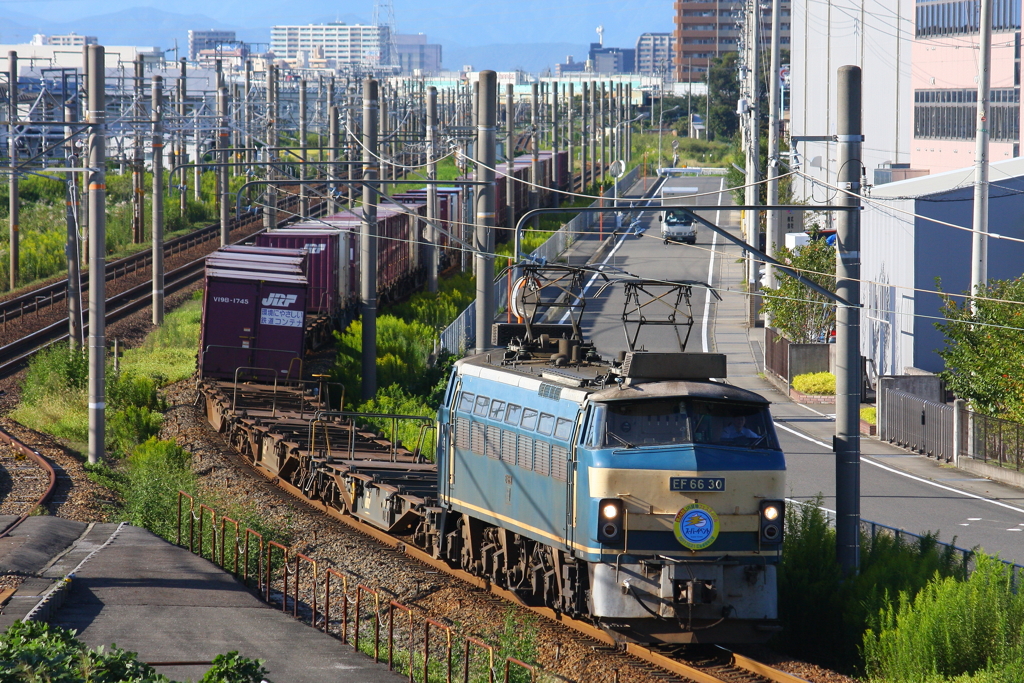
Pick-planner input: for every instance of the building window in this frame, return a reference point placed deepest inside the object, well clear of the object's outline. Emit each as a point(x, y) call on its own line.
point(959, 17)
point(951, 114)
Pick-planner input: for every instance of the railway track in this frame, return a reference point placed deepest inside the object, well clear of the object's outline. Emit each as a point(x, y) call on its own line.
point(710, 665)
point(27, 480)
point(14, 354)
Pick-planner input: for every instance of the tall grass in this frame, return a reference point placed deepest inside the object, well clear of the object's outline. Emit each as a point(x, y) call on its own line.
point(970, 628)
point(826, 614)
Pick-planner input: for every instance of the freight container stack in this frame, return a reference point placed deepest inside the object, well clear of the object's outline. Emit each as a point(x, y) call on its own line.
point(253, 321)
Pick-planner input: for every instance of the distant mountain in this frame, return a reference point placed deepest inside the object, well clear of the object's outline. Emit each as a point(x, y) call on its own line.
point(531, 57)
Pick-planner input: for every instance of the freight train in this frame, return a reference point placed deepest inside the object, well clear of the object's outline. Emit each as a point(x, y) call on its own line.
point(641, 492)
point(243, 323)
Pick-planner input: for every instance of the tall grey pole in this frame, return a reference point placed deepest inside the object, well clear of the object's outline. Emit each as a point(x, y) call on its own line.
point(487, 119)
point(270, 208)
point(138, 191)
point(156, 116)
point(979, 242)
point(584, 128)
point(603, 123)
point(753, 146)
point(303, 151)
point(569, 151)
point(592, 127)
point(223, 142)
point(556, 142)
point(774, 225)
point(182, 149)
point(510, 158)
point(534, 155)
point(333, 141)
point(368, 239)
point(12, 148)
point(96, 117)
point(247, 112)
point(73, 207)
point(848, 370)
point(432, 208)
point(629, 115)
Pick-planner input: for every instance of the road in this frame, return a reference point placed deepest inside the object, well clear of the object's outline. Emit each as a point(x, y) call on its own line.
point(898, 488)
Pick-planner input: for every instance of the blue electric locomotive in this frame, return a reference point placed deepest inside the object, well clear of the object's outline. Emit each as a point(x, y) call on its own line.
point(638, 493)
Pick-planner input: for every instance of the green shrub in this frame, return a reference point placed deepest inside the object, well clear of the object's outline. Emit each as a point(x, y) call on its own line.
point(131, 426)
point(951, 628)
point(816, 383)
point(394, 400)
point(157, 471)
point(403, 352)
point(869, 415)
point(824, 614)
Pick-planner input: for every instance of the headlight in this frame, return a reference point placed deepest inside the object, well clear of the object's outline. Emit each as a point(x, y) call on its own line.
point(771, 521)
point(771, 512)
point(609, 522)
point(610, 511)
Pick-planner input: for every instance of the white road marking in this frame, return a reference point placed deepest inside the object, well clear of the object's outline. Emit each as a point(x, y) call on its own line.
point(892, 470)
point(711, 272)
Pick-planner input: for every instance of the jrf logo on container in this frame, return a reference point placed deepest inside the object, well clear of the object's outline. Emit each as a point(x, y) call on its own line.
point(280, 300)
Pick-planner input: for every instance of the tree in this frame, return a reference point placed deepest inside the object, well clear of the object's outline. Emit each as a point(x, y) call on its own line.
point(724, 90)
point(802, 315)
point(984, 353)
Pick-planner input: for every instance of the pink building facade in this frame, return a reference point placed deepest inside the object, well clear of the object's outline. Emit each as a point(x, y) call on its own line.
point(944, 55)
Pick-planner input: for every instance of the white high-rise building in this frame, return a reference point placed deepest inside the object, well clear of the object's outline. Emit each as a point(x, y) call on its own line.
point(341, 43)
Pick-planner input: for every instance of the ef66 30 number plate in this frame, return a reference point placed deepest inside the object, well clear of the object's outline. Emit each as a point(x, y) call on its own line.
point(690, 484)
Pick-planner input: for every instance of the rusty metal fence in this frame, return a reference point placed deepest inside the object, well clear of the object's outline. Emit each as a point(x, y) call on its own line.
point(995, 441)
point(776, 353)
point(367, 618)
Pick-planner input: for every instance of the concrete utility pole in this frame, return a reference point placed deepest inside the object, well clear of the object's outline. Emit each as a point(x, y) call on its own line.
point(534, 155)
point(584, 123)
point(333, 141)
point(510, 155)
point(774, 227)
point(247, 113)
point(303, 150)
point(96, 116)
point(556, 142)
point(487, 119)
point(270, 209)
point(602, 124)
point(72, 209)
point(157, 97)
point(368, 239)
point(12, 148)
point(138, 190)
point(569, 151)
point(224, 142)
point(979, 242)
point(753, 140)
point(182, 149)
point(848, 369)
point(432, 212)
point(593, 132)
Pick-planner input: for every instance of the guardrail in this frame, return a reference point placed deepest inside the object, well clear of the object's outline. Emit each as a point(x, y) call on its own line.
point(912, 422)
point(368, 619)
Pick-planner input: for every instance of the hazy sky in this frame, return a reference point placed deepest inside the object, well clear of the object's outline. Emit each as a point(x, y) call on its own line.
point(469, 22)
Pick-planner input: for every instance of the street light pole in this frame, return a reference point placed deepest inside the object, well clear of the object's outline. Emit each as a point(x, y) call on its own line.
point(660, 118)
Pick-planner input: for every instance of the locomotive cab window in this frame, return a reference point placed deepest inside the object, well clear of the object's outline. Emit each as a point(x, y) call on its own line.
point(733, 424)
point(546, 424)
point(651, 422)
point(529, 419)
point(466, 402)
point(563, 429)
point(497, 410)
point(513, 414)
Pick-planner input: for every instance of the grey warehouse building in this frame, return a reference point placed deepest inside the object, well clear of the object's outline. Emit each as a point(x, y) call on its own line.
point(902, 254)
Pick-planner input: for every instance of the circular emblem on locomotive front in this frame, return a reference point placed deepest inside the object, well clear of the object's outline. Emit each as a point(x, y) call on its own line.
point(696, 526)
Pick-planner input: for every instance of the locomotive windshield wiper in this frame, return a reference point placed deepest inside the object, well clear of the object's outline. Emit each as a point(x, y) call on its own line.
point(621, 440)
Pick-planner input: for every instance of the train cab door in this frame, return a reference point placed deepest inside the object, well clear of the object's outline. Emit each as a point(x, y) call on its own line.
point(570, 484)
point(446, 438)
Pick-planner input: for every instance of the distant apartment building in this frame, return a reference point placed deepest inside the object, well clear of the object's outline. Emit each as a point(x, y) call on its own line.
point(68, 40)
point(416, 54)
point(945, 88)
point(612, 60)
point(655, 54)
point(342, 44)
point(707, 28)
point(570, 66)
point(198, 41)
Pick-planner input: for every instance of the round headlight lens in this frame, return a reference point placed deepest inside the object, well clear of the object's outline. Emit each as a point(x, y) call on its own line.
point(610, 511)
point(771, 512)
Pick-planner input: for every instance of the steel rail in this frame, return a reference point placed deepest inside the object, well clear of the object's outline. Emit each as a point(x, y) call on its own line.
point(644, 653)
point(44, 463)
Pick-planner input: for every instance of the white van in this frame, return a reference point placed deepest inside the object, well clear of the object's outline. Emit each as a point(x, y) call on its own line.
point(677, 225)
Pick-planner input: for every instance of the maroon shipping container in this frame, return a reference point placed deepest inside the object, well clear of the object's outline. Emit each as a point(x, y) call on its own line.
point(254, 320)
point(249, 249)
point(260, 264)
point(326, 248)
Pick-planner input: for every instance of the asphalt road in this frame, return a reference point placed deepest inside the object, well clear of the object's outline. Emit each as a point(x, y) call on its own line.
point(898, 489)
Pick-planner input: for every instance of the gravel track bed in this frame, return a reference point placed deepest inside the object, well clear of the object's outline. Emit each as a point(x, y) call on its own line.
point(226, 479)
point(22, 481)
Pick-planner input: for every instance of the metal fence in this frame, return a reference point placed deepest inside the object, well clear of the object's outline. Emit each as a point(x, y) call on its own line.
point(776, 353)
point(912, 422)
point(996, 441)
point(460, 335)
